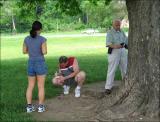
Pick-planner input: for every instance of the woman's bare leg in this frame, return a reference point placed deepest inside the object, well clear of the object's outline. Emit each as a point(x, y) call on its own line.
point(31, 84)
point(41, 91)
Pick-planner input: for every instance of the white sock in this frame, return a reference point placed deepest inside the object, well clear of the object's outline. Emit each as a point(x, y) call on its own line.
point(78, 87)
point(64, 86)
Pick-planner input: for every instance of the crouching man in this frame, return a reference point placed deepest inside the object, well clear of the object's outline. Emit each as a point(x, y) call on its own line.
point(69, 73)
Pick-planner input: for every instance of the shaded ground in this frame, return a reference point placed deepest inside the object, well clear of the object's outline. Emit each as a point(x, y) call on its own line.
point(85, 108)
point(69, 108)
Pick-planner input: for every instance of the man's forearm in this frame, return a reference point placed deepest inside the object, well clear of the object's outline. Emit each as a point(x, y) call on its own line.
point(70, 76)
point(115, 46)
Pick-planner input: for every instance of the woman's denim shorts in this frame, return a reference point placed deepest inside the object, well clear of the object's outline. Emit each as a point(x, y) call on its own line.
point(36, 68)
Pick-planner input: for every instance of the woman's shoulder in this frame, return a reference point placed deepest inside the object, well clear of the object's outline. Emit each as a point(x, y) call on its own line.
point(27, 38)
point(42, 38)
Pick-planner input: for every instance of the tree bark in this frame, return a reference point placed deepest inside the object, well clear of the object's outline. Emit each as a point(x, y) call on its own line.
point(139, 93)
point(144, 54)
point(13, 25)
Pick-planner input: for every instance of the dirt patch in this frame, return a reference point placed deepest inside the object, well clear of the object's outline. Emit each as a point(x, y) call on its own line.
point(69, 108)
point(85, 108)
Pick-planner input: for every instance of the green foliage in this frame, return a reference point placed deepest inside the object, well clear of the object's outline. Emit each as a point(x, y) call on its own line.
point(70, 7)
point(8, 10)
point(125, 29)
point(107, 1)
point(107, 22)
point(60, 15)
point(2, 2)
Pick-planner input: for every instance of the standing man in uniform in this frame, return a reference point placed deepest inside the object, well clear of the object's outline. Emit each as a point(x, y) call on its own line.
point(117, 54)
point(69, 73)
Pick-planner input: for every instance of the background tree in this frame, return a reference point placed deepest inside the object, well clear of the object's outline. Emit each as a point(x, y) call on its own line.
point(56, 17)
point(8, 13)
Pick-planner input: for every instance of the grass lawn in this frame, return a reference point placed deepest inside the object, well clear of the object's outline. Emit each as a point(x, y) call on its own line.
point(90, 52)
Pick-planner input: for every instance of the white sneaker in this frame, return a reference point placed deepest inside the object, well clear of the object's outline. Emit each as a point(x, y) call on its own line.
point(30, 108)
point(66, 89)
point(77, 92)
point(41, 108)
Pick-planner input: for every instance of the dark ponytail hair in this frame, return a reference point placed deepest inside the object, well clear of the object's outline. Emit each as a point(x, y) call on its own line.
point(35, 27)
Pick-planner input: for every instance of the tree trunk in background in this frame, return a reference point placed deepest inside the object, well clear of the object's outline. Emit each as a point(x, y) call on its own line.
point(57, 27)
point(13, 25)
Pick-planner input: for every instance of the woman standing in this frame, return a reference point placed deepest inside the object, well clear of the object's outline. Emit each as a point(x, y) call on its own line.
point(35, 46)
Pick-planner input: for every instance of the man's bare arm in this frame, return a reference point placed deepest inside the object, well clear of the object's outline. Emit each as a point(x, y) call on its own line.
point(115, 46)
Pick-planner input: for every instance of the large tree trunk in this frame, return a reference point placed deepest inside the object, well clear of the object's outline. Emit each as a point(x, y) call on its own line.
point(139, 95)
point(144, 54)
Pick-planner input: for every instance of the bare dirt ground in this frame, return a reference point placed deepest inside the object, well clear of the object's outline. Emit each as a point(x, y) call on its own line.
point(84, 109)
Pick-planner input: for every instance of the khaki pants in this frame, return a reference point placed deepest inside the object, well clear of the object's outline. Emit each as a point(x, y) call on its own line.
point(118, 57)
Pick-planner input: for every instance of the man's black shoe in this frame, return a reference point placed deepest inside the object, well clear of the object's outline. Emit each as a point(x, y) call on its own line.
point(107, 91)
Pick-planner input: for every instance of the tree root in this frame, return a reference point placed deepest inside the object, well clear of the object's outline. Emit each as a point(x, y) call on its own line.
point(127, 103)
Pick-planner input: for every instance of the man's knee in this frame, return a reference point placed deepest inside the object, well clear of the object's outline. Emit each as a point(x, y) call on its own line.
point(56, 81)
point(81, 76)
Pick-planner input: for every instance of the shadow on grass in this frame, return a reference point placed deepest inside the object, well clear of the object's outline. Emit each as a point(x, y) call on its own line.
point(14, 82)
